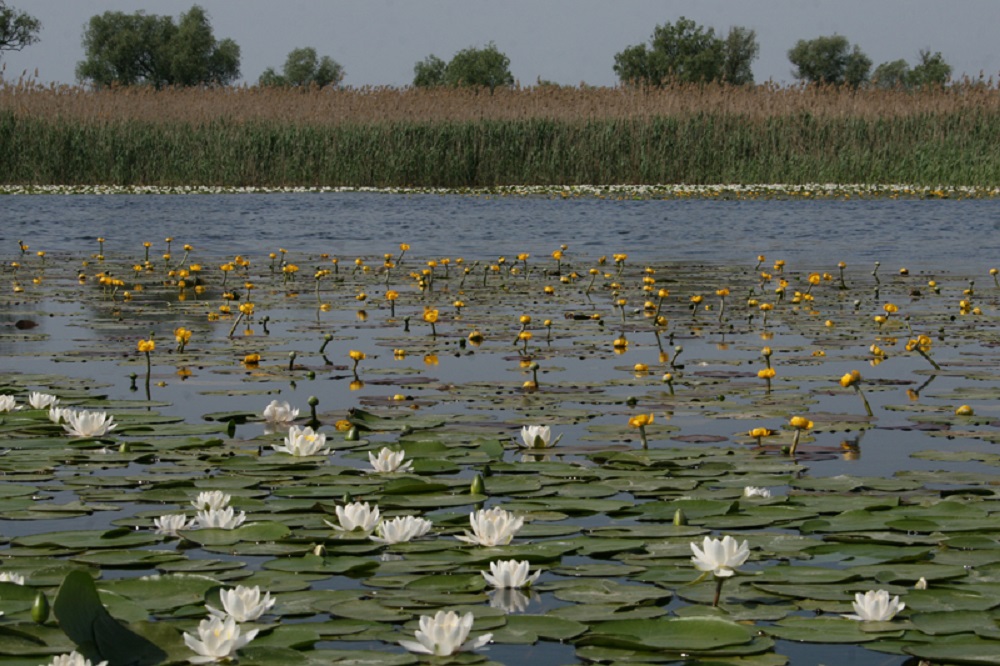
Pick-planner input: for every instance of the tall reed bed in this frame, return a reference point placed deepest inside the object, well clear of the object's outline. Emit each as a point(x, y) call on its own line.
point(462, 138)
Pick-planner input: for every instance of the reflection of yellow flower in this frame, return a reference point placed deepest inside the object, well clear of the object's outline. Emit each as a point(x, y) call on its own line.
point(640, 420)
point(475, 337)
point(146, 345)
point(356, 385)
point(431, 359)
point(399, 353)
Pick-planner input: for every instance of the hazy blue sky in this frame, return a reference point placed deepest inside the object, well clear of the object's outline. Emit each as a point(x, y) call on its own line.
point(566, 41)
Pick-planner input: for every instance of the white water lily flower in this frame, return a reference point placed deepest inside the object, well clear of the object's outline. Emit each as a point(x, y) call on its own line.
point(875, 606)
point(720, 556)
point(218, 639)
point(303, 442)
point(401, 529)
point(491, 527)
point(444, 634)
point(59, 414)
point(356, 516)
point(751, 492)
point(280, 413)
point(537, 437)
point(42, 400)
point(224, 519)
point(510, 574)
point(8, 403)
point(171, 523)
point(85, 423)
point(73, 659)
point(389, 461)
point(11, 577)
point(243, 604)
point(211, 499)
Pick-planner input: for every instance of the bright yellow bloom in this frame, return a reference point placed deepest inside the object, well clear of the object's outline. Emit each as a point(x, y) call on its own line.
point(766, 373)
point(850, 379)
point(890, 308)
point(640, 420)
point(182, 335)
point(251, 360)
point(800, 423)
point(146, 345)
point(356, 355)
point(391, 295)
point(246, 308)
point(430, 315)
point(964, 410)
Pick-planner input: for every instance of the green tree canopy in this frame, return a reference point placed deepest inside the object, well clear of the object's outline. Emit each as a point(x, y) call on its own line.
point(687, 52)
point(140, 48)
point(931, 71)
point(17, 29)
point(830, 59)
point(472, 67)
point(303, 67)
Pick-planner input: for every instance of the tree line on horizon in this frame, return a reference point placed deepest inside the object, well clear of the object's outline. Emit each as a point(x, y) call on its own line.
point(146, 49)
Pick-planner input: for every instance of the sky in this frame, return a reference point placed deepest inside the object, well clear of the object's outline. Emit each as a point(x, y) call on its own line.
point(563, 41)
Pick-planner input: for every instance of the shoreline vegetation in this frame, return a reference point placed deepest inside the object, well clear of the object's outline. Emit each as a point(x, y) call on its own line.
point(553, 140)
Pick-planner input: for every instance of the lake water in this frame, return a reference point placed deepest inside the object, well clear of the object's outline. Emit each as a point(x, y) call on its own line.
point(942, 237)
point(944, 234)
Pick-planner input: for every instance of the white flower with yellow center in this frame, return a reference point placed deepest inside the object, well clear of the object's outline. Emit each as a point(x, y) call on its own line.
point(84, 423)
point(42, 400)
point(444, 634)
point(491, 527)
point(356, 516)
point(280, 413)
point(510, 574)
point(720, 556)
point(217, 639)
point(243, 604)
point(389, 461)
point(211, 499)
point(875, 606)
point(401, 529)
point(303, 442)
point(223, 519)
point(537, 437)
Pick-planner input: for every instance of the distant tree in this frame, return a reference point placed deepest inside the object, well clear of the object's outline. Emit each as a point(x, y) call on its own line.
point(931, 71)
point(17, 29)
point(429, 72)
point(140, 48)
point(687, 52)
point(471, 67)
point(830, 59)
point(895, 74)
point(304, 68)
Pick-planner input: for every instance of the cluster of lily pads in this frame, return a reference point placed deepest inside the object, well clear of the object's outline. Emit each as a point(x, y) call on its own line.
point(671, 191)
point(473, 456)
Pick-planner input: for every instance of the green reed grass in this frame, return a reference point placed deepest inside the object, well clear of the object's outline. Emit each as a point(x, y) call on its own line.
point(91, 138)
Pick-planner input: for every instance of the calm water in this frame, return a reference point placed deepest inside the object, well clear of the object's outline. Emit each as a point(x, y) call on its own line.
point(808, 234)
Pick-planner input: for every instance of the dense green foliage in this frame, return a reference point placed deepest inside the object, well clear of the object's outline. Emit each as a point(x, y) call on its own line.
point(304, 68)
point(17, 28)
point(687, 52)
point(932, 70)
point(930, 149)
point(831, 60)
point(140, 48)
point(472, 67)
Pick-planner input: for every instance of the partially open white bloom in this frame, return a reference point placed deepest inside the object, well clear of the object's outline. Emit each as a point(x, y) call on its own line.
point(492, 527)
point(751, 492)
point(59, 414)
point(42, 400)
point(8, 403)
point(389, 461)
point(875, 606)
point(73, 659)
point(356, 516)
point(444, 634)
point(218, 639)
point(85, 423)
point(538, 437)
point(211, 499)
point(720, 556)
point(280, 413)
point(401, 529)
point(224, 519)
point(303, 442)
point(510, 574)
point(920, 584)
point(243, 604)
point(171, 523)
point(11, 577)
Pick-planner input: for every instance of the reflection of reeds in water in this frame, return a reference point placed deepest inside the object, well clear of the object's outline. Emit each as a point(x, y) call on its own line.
point(454, 137)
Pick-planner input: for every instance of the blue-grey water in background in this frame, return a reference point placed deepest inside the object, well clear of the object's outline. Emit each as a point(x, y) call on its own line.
point(949, 235)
